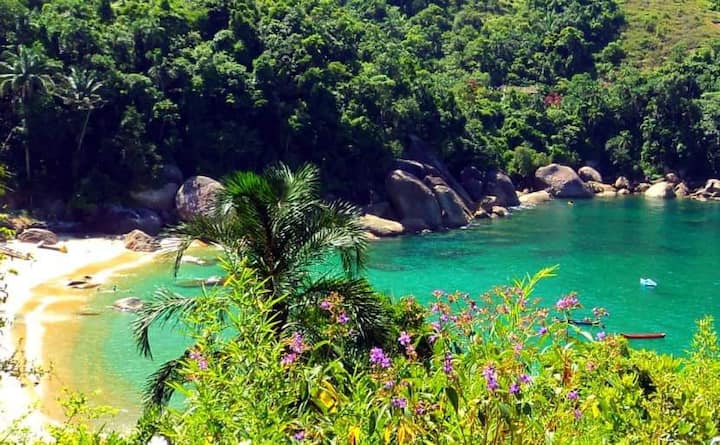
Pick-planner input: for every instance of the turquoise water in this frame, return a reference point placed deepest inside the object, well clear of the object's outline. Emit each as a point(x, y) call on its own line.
point(602, 247)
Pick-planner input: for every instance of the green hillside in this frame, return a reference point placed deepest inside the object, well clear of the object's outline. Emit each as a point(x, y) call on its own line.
point(656, 28)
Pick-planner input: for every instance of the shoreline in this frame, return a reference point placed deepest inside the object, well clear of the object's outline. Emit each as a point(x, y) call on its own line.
point(30, 284)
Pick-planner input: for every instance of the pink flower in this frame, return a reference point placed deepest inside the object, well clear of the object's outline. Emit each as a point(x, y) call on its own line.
point(404, 338)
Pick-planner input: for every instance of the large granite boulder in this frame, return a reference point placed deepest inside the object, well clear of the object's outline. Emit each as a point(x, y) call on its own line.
point(412, 199)
point(414, 225)
point(38, 235)
point(196, 197)
point(161, 199)
point(661, 190)
point(380, 226)
point(139, 241)
point(622, 183)
point(642, 187)
point(535, 198)
point(500, 186)
point(681, 190)
point(472, 179)
point(672, 178)
point(588, 173)
point(562, 181)
point(117, 220)
point(415, 168)
point(454, 212)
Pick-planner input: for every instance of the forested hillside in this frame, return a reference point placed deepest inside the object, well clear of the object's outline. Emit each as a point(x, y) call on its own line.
point(98, 95)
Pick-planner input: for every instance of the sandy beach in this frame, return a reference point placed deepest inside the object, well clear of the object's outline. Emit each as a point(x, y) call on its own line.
point(34, 287)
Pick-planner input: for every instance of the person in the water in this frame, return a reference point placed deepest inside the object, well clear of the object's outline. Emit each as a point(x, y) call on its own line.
point(571, 203)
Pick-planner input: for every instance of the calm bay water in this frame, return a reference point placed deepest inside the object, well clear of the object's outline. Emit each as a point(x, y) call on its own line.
point(603, 247)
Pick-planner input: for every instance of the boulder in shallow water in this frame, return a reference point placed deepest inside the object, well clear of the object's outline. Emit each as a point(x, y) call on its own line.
point(623, 192)
point(454, 212)
point(380, 226)
point(681, 190)
point(139, 241)
point(414, 225)
point(412, 199)
point(38, 235)
point(535, 197)
point(472, 180)
point(130, 304)
point(661, 190)
point(642, 187)
point(562, 181)
point(622, 183)
point(588, 173)
point(500, 211)
point(499, 185)
point(196, 197)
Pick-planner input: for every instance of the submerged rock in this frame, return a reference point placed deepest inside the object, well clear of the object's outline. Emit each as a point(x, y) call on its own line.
point(535, 197)
point(130, 304)
point(84, 282)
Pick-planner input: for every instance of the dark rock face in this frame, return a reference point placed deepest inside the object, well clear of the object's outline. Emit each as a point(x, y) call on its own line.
point(161, 199)
point(38, 235)
point(412, 199)
point(500, 186)
point(562, 181)
point(196, 196)
point(119, 220)
point(472, 179)
point(454, 212)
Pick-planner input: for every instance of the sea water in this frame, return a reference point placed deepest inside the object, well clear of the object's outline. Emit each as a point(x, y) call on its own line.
point(602, 248)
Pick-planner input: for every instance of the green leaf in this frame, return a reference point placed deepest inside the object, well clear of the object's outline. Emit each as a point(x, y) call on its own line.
point(453, 396)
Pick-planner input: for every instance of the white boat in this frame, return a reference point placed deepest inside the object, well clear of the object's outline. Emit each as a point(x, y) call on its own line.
point(647, 282)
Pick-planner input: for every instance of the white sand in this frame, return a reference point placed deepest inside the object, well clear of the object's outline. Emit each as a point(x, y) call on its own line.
point(21, 277)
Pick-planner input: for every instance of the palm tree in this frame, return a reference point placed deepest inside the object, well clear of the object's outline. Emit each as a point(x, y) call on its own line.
point(82, 93)
point(279, 226)
point(24, 74)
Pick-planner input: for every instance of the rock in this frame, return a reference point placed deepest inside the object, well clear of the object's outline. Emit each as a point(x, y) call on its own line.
point(712, 186)
point(381, 227)
point(414, 225)
point(622, 183)
point(535, 197)
point(171, 173)
point(119, 220)
point(481, 214)
point(369, 236)
point(38, 235)
point(472, 180)
point(599, 187)
point(500, 211)
point(681, 190)
point(139, 241)
point(662, 190)
point(415, 168)
point(382, 209)
point(500, 186)
point(623, 192)
point(642, 187)
point(607, 194)
point(412, 199)
point(454, 212)
point(196, 197)
point(588, 173)
point(672, 178)
point(130, 304)
point(84, 282)
point(162, 199)
point(562, 181)
point(189, 259)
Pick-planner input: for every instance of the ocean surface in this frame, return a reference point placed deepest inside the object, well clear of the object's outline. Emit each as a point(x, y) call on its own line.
point(602, 248)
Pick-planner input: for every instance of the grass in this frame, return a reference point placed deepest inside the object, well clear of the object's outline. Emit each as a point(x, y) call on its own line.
point(656, 29)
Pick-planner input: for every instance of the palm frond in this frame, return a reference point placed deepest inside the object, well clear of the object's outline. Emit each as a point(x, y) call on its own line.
point(165, 307)
point(158, 387)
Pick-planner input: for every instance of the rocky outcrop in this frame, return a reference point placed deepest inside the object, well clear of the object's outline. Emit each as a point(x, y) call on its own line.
point(472, 180)
point(413, 200)
point(38, 235)
point(661, 190)
point(139, 241)
point(606, 194)
point(500, 186)
point(711, 190)
point(642, 187)
point(499, 212)
point(196, 197)
point(454, 212)
point(681, 190)
point(381, 227)
point(599, 187)
point(118, 220)
point(562, 181)
point(414, 225)
point(160, 199)
point(382, 209)
point(588, 173)
point(622, 183)
point(130, 304)
point(623, 192)
point(672, 178)
point(535, 198)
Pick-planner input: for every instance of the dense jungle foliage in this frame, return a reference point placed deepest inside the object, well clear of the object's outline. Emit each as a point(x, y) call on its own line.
point(98, 95)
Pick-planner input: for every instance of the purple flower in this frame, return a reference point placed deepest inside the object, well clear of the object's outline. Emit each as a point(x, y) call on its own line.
point(199, 359)
point(573, 395)
point(298, 343)
point(378, 358)
point(202, 364)
point(399, 402)
point(517, 348)
point(432, 339)
point(444, 318)
point(567, 302)
point(436, 326)
point(542, 330)
point(525, 379)
point(437, 293)
point(490, 378)
point(404, 338)
point(389, 384)
point(343, 318)
point(288, 359)
point(420, 409)
point(435, 307)
point(577, 413)
point(514, 389)
point(325, 305)
point(600, 336)
point(448, 364)
point(300, 435)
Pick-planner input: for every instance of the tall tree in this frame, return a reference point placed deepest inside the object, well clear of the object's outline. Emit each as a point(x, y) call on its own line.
point(25, 73)
point(278, 224)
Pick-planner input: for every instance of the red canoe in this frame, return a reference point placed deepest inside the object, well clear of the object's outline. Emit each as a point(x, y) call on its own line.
point(644, 336)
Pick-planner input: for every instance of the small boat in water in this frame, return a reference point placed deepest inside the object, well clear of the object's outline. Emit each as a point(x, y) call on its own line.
point(647, 282)
point(586, 322)
point(643, 335)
